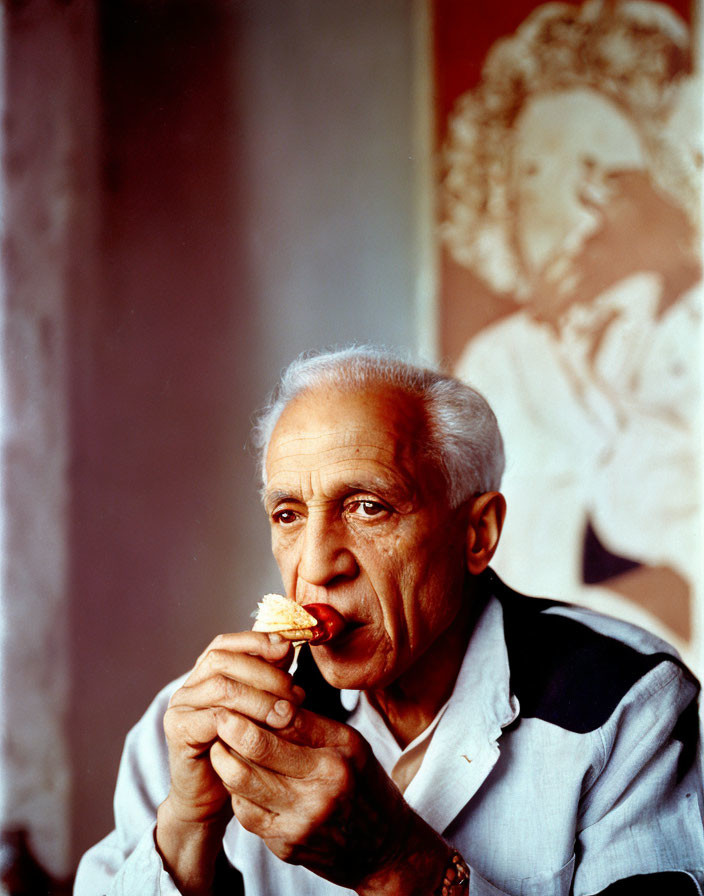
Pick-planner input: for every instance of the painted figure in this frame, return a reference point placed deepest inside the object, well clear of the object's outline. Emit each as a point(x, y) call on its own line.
point(572, 185)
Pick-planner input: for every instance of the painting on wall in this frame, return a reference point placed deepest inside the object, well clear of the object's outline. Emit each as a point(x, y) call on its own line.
point(568, 191)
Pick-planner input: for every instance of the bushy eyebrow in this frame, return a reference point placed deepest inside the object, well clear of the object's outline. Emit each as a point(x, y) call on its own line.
point(271, 498)
point(394, 490)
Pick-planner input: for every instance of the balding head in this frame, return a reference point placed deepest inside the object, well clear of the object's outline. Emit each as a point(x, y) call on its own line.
point(461, 435)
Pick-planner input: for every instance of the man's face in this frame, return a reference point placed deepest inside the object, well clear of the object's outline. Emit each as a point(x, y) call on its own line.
point(568, 144)
point(360, 521)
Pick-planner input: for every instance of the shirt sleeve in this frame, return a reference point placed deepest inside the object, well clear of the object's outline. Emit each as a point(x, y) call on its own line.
point(106, 871)
point(643, 815)
point(127, 861)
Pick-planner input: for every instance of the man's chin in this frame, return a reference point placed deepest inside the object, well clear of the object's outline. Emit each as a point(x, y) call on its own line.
point(360, 659)
point(353, 670)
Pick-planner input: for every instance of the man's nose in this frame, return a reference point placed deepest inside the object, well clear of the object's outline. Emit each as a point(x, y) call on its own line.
point(325, 554)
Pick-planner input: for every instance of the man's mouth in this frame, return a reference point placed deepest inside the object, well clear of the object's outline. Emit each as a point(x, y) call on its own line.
point(330, 623)
point(342, 638)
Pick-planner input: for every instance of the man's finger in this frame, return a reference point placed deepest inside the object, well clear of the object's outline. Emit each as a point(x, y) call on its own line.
point(301, 804)
point(252, 817)
point(194, 728)
point(312, 730)
point(248, 781)
point(270, 647)
point(228, 693)
point(254, 670)
point(280, 837)
point(265, 749)
point(263, 796)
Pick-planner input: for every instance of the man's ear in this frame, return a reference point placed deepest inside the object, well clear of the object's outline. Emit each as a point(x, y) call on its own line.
point(486, 518)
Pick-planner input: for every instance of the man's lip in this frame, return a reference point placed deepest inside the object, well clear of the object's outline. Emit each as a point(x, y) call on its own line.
point(348, 612)
point(330, 622)
point(349, 630)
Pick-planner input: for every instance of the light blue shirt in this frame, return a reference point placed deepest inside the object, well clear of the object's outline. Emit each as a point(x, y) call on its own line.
point(536, 807)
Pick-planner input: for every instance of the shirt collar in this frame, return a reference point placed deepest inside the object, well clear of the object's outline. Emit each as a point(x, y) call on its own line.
point(484, 680)
point(349, 699)
point(484, 676)
point(464, 748)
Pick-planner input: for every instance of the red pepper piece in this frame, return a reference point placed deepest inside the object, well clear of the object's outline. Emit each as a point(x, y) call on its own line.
point(330, 622)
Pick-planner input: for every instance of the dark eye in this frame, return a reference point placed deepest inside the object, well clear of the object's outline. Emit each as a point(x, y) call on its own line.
point(284, 516)
point(366, 509)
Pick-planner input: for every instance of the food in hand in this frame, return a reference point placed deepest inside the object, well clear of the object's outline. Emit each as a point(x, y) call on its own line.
point(314, 623)
point(276, 613)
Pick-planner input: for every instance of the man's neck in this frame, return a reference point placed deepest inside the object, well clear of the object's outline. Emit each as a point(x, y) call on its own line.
point(411, 702)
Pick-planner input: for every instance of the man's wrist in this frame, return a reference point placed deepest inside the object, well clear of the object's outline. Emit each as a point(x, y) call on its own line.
point(189, 849)
point(425, 875)
point(455, 880)
point(417, 869)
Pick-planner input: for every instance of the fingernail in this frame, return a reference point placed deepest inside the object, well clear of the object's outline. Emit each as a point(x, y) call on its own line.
point(280, 713)
point(275, 638)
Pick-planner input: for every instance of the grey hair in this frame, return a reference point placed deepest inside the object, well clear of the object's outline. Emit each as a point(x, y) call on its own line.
point(462, 434)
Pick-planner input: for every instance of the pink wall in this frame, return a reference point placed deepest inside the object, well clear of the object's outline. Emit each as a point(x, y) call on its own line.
point(252, 206)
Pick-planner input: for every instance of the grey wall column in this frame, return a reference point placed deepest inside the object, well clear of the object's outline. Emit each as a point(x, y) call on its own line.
point(48, 264)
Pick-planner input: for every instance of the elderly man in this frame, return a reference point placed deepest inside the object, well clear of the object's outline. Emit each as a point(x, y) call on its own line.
point(454, 737)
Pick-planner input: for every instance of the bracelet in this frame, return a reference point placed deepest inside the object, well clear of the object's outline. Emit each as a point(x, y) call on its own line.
point(455, 881)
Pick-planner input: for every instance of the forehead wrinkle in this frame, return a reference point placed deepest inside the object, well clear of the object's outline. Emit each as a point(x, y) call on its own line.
point(350, 436)
point(387, 439)
point(301, 455)
point(300, 460)
point(342, 477)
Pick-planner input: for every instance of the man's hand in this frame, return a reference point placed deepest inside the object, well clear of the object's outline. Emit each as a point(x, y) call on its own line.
point(237, 675)
point(309, 787)
point(315, 794)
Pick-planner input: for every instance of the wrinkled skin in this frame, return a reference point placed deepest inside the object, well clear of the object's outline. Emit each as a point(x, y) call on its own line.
point(360, 523)
point(309, 787)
